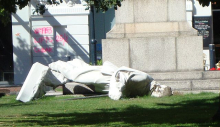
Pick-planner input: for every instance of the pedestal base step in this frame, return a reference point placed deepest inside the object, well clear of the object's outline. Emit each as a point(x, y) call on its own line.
point(189, 81)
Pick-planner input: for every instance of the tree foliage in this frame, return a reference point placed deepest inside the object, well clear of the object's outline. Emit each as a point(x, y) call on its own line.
point(10, 6)
point(103, 5)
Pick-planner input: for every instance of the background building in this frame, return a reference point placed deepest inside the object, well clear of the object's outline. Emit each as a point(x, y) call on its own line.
point(64, 32)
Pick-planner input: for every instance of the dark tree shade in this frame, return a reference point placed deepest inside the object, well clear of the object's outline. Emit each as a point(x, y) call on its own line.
point(10, 6)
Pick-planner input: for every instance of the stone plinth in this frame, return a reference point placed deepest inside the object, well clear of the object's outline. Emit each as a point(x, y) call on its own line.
point(153, 36)
point(137, 11)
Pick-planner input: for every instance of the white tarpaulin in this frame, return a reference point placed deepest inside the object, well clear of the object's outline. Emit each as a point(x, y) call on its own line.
point(117, 82)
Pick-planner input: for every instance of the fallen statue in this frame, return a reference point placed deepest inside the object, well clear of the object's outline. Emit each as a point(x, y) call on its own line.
point(117, 82)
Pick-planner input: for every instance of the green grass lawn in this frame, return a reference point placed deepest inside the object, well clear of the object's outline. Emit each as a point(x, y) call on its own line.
point(178, 110)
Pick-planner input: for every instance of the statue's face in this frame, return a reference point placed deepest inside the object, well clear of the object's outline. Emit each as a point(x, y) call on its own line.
point(161, 90)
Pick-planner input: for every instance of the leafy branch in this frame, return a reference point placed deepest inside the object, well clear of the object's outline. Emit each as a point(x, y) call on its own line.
point(103, 5)
point(41, 8)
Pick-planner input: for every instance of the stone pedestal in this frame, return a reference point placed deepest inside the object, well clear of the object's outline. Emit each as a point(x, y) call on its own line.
point(153, 36)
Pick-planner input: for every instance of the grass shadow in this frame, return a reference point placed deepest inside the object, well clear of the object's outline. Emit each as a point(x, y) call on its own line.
point(14, 102)
point(192, 112)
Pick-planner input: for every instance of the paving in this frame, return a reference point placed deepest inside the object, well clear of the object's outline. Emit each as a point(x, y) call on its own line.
point(10, 89)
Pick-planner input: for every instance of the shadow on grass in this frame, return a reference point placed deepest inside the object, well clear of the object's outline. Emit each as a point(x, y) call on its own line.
point(15, 102)
point(2, 94)
point(196, 112)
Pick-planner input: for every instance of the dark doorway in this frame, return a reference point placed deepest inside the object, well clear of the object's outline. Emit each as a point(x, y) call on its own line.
point(6, 53)
point(216, 29)
point(216, 26)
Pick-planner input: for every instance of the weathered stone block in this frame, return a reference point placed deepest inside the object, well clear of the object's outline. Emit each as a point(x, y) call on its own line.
point(144, 10)
point(151, 34)
point(158, 38)
point(176, 10)
point(153, 54)
point(139, 11)
point(206, 84)
point(125, 13)
point(151, 27)
point(116, 51)
point(186, 29)
point(117, 31)
point(211, 74)
point(192, 75)
point(189, 53)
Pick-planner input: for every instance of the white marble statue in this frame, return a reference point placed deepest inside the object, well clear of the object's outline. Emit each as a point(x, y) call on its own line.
point(117, 82)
